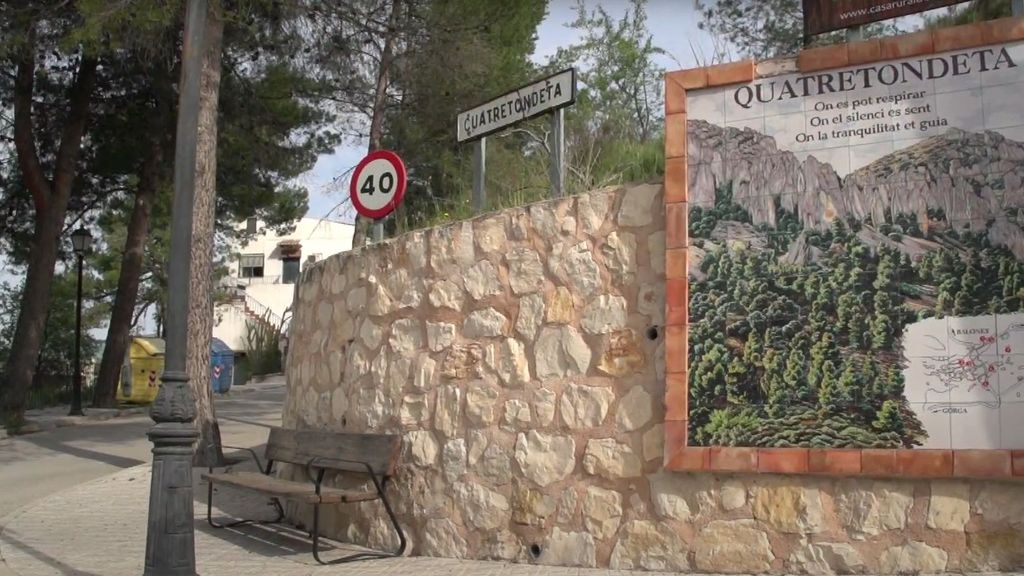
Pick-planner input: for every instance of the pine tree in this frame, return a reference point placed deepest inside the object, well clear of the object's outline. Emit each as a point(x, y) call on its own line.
point(886, 272)
point(753, 348)
point(849, 386)
point(829, 398)
point(882, 322)
point(965, 301)
point(795, 376)
point(736, 380)
point(774, 383)
point(889, 419)
point(857, 328)
point(822, 352)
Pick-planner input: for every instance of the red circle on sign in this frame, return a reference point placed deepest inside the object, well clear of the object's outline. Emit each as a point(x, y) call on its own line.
point(397, 167)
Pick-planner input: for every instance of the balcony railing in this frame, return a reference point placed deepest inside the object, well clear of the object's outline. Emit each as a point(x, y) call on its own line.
point(257, 280)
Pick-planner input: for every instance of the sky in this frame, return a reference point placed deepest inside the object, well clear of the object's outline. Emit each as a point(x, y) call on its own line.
point(672, 23)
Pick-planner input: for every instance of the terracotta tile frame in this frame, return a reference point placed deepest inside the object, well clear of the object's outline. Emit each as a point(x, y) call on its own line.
point(916, 463)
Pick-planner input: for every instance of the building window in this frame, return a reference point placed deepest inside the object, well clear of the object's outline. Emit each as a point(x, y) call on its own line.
point(251, 265)
point(250, 225)
point(289, 270)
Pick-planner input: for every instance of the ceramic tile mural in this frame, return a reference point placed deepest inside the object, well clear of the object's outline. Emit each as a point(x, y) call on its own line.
point(857, 256)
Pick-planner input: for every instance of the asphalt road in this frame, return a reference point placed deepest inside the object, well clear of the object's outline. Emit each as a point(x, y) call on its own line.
point(36, 465)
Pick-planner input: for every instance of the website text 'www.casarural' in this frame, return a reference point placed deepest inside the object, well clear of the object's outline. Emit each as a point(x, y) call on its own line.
point(878, 8)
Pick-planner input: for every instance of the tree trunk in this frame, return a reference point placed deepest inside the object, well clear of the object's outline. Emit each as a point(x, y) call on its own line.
point(380, 95)
point(123, 310)
point(200, 308)
point(50, 199)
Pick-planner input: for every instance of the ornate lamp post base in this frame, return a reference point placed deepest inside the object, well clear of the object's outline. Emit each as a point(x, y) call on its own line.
point(170, 541)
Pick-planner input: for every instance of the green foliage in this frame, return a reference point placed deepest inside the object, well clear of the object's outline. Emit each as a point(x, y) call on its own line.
point(769, 28)
point(262, 338)
point(774, 28)
point(56, 358)
point(613, 132)
point(620, 98)
point(479, 49)
point(974, 11)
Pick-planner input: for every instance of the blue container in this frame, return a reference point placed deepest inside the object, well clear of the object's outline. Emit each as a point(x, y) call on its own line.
point(222, 366)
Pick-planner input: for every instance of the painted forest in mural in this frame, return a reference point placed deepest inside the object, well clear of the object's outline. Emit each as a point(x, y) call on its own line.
point(802, 282)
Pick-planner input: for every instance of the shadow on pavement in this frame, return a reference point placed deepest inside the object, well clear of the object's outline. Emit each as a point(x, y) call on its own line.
point(55, 445)
point(7, 539)
point(275, 541)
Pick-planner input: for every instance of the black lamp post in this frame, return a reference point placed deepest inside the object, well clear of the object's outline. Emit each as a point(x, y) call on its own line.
point(81, 240)
point(170, 534)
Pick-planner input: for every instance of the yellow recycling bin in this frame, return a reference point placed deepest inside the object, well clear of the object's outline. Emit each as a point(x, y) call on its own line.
point(140, 376)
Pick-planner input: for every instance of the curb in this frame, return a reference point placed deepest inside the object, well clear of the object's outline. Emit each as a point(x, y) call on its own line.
point(49, 423)
point(45, 424)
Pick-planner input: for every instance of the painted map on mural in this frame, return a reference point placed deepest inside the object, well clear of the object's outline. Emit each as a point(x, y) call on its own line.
point(965, 379)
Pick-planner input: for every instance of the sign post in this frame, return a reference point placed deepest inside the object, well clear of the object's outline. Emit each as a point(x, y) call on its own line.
point(557, 146)
point(479, 175)
point(378, 187)
point(551, 94)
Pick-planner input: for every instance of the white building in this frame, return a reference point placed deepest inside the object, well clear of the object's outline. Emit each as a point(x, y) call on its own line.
point(263, 272)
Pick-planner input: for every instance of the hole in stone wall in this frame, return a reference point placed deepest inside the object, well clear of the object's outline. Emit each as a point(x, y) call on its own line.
point(652, 333)
point(535, 550)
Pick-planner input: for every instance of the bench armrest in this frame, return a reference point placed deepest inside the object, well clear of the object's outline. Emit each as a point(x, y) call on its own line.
point(313, 463)
point(255, 456)
point(320, 474)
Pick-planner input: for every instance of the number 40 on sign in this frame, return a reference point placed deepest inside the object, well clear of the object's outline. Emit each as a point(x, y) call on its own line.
point(378, 184)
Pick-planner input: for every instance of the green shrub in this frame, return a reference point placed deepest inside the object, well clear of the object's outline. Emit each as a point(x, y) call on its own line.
point(261, 345)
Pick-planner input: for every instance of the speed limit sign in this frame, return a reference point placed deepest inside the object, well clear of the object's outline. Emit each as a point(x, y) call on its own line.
point(378, 184)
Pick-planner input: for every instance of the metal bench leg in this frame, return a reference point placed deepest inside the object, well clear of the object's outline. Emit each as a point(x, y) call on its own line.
point(360, 555)
point(391, 516)
point(209, 513)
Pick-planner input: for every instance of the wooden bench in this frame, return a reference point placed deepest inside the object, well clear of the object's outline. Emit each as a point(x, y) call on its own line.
point(317, 452)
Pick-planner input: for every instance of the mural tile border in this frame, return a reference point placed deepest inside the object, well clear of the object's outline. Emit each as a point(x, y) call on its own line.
point(834, 462)
point(1017, 458)
point(676, 263)
point(866, 51)
point(678, 456)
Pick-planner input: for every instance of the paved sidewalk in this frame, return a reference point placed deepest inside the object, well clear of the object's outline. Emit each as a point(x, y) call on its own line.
point(99, 528)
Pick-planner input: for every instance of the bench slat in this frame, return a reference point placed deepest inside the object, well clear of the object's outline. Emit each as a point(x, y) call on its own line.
point(288, 489)
point(381, 451)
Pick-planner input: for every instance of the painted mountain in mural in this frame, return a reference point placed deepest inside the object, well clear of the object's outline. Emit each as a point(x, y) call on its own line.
point(975, 179)
point(805, 284)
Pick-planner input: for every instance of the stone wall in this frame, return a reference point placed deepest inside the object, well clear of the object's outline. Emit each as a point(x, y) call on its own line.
point(521, 355)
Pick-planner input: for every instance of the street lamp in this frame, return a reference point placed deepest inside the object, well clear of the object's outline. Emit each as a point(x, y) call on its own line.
point(81, 240)
point(170, 533)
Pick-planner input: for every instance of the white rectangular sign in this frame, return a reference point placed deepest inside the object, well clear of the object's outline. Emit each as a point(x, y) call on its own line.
point(551, 93)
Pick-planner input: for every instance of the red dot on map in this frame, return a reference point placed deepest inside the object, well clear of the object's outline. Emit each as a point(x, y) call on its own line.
point(1007, 349)
point(992, 368)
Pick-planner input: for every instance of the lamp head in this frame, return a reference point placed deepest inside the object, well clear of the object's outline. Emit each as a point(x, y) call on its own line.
point(81, 240)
